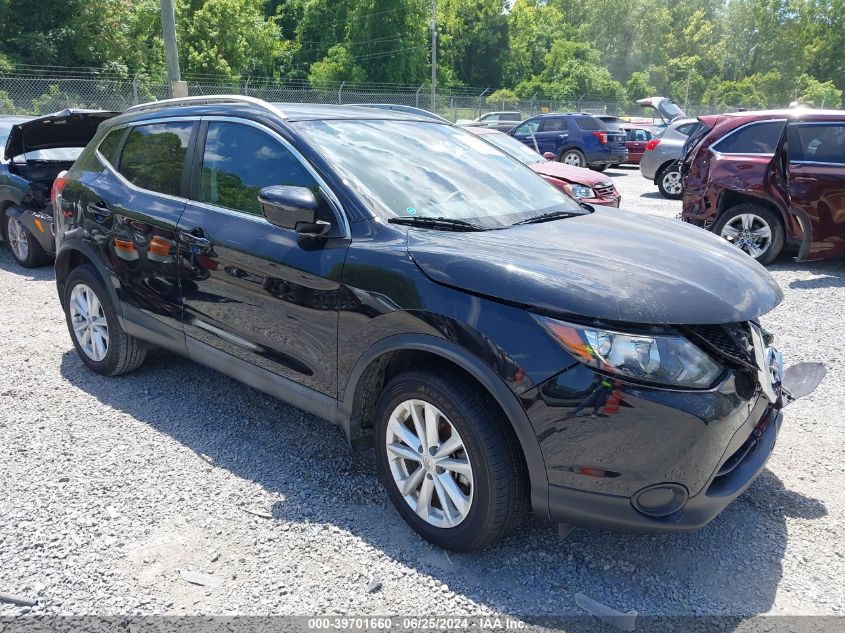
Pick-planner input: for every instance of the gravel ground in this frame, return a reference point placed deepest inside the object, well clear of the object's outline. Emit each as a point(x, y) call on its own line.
point(113, 487)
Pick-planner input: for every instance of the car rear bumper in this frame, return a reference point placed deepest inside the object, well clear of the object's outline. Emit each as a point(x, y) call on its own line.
point(611, 512)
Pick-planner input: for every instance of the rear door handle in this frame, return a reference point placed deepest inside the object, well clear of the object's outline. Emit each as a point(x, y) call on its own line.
point(194, 240)
point(99, 209)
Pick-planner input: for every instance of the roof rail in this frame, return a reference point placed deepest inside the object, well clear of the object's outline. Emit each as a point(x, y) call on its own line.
point(207, 100)
point(404, 108)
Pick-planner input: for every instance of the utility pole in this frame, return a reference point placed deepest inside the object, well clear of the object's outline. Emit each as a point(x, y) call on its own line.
point(178, 88)
point(433, 56)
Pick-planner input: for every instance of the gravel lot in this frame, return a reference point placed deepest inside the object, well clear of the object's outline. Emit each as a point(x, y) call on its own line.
point(112, 487)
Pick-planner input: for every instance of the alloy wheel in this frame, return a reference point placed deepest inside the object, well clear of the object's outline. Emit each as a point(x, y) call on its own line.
point(672, 182)
point(90, 326)
point(429, 463)
point(18, 239)
point(749, 232)
point(572, 158)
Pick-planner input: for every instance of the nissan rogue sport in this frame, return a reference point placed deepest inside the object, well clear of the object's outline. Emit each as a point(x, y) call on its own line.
point(502, 347)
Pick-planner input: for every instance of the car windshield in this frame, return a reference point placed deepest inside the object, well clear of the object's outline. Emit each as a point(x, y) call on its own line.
point(511, 146)
point(420, 169)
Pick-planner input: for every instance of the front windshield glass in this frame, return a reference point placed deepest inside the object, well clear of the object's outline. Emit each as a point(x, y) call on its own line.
point(511, 146)
point(412, 169)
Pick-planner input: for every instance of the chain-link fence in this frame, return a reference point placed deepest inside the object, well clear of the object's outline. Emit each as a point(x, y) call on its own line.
point(40, 90)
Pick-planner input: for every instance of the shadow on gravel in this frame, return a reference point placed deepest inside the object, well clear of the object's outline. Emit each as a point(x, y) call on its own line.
point(656, 195)
point(828, 273)
point(730, 568)
point(8, 264)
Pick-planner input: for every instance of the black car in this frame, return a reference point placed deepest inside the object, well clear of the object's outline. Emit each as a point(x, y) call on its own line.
point(502, 347)
point(34, 152)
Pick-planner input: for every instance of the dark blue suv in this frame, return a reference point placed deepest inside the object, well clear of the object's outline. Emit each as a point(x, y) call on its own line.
point(581, 140)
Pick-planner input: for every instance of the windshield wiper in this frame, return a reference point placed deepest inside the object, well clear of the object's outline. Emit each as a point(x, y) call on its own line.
point(547, 217)
point(450, 224)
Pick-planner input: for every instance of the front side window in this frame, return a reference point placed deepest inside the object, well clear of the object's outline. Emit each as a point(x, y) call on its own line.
point(817, 143)
point(529, 127)
point(239, 161)
point(756, 138)
point(153, 156)
point(424, 169)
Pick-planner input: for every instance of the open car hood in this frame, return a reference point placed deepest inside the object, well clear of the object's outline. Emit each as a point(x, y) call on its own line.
point(610, 265)
point(667, 108)
point(68, 128)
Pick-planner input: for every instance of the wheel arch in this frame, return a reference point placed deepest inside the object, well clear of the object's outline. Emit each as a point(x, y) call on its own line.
point(568, 147)
point(663, 166)
point(730, 199)
point(75, 254)
point(391, 355)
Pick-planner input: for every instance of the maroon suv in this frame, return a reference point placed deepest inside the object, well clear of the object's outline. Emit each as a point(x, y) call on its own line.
point(769, 179)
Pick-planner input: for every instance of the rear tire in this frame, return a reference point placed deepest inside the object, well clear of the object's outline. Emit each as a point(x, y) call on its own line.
point(669, 182)
point(599, 167)
point(483, 469)
point(94, 328)
point(573, 157)
point(22, 244)
point(753, 228)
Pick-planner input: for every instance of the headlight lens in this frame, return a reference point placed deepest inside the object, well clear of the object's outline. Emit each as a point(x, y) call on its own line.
point(579, 191)
point(662, 358)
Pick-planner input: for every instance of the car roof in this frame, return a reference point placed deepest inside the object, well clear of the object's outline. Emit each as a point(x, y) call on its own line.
point(290, 112)
point(787, 113)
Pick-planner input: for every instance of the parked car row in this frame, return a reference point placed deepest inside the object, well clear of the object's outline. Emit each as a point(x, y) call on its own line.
point(503, 347)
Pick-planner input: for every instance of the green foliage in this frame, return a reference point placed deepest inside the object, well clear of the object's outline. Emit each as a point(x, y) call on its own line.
point(7, 106)
point(821, 94)
point(502, 96)
point(230, 38)
point(726, 53)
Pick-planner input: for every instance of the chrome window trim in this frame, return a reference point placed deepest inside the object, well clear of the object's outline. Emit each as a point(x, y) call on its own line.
point(334, 202)
point(742, 127)
point(816, 162)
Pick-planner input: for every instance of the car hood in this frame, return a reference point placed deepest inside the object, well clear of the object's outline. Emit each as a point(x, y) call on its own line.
point(68, 128)
point(610, 265)
point(569, 173)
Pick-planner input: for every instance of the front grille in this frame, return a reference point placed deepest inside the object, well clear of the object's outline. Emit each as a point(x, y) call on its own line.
point(605, 192)
point(731, 341)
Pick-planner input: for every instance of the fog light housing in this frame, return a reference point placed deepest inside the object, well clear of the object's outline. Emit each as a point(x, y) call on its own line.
point(660, 500)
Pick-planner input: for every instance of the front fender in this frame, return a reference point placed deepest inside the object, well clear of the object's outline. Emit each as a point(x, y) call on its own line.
point(494, 385)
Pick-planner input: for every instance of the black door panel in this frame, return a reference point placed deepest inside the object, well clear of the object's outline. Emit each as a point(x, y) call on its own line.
point(262, 293)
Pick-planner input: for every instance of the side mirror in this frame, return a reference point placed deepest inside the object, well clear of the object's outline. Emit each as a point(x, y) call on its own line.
point(549, 156)
point(292, 208)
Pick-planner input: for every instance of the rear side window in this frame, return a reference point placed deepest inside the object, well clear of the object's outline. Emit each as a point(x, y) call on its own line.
point(553, 125)
point(817, 143)
point(588, 123)
point(153, 156)
point(756, 138)
point(108, 146)
point(239, 160)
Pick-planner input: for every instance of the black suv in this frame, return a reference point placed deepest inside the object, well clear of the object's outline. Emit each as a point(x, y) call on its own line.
point(502, 347)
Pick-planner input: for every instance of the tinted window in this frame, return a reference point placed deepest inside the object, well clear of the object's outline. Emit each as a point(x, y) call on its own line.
point(154, 156)
point(757, 138)
point(820, 143)
point(490, 118)
point(553, 125)
point(686, 128)
point(529, 127)
point(239, 160)
point(588, 123)
point(108, 146)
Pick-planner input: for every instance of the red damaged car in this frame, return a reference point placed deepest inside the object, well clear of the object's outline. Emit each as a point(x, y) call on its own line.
point(770, 179)
point(585, 185)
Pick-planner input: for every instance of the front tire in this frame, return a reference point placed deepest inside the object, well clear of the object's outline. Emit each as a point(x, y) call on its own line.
point(449, 461)
point(24, 247)
point(755, 229)
point(94, 328)
point(669, 182)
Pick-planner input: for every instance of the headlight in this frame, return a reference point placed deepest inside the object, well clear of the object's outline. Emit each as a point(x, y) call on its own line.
point(579, 191)
point(668, 359)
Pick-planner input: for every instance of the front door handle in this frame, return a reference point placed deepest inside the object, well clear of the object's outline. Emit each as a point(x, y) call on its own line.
point(194, 240)
point(99, 209)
